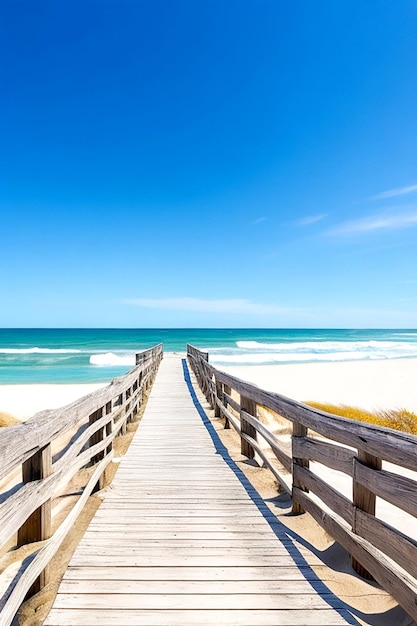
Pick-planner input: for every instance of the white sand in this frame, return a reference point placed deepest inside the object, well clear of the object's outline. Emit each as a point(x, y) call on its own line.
point(367, 384)
point(371, 385)
point(23, 401)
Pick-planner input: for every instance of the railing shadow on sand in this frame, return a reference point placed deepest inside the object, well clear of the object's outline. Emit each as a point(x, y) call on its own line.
point(282, 533)
point(378, 550)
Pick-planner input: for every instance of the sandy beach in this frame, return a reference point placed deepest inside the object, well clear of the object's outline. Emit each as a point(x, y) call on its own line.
point(371, 384)
point(368, 384)
point(387, 384)
point(23, 401)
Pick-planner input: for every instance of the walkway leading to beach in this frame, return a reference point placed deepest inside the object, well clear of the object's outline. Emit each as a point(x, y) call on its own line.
point(181, 537)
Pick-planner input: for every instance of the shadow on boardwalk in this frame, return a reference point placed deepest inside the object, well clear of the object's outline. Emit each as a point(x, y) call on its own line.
point(285, 535)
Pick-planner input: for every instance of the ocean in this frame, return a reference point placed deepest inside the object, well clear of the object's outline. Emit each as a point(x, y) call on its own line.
point(98, 355)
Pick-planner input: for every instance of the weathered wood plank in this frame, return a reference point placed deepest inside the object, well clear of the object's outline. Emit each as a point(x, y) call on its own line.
point(299, 431)
point(195, 545)
point(333, 456)
point(332, 498)
point(401, 586)
point(49, 465)
point(363, 499)
point(243, 573)
point(227, 544)
point(13, 596)
point(18, 443)
point(220, 560)
point(187, 587)
point(373, 444)
point(391, 445)
point(247, 406)
point(181, 617)
point(280, 452)
point(392, 543)
point(161, 601)
point(189, 533)
point(398, 490)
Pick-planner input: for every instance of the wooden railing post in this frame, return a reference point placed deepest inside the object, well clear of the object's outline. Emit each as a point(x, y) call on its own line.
point(249, 406)
point(109, 427)
point(219, 395)
point(128, 404)
point(298, 431)
point(226, 390)
point(203, 372)
point(207, 382)
point(96, 438)
point(136, 402)
point(364, 500)
point(38, 526)
point(123, 429)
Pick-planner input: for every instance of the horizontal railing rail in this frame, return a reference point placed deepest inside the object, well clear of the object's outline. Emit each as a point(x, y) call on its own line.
point(355, 449)
point(39, 457)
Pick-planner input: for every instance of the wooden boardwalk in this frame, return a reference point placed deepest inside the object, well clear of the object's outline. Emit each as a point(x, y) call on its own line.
point(180, 539)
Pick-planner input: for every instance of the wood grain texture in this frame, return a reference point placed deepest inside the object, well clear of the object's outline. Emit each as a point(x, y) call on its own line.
point(19, 442)
point(178, 539)
point(86, 429)
point(334, 456)
point(363, 499)
point(387, 573)
point(386, 443)
point(358, 451)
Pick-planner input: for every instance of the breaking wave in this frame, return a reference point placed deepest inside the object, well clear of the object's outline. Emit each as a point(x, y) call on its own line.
point(38, 351)
point(109, 358)
point(256, 352)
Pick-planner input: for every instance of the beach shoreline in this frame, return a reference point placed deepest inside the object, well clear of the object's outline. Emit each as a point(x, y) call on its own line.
point(382, 384)
point(371, 385)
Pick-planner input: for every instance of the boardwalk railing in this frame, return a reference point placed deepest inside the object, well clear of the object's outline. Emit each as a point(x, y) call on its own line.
point(38, 459)
point(356, 449)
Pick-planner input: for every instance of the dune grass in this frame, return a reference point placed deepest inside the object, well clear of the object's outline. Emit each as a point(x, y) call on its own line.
point(399, 419)
point(7, 420)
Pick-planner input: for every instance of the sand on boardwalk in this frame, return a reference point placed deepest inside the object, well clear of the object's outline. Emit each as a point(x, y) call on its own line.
point(376, 384)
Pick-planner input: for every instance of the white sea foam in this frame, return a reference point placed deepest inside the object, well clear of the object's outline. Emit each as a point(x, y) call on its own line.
point(109, 358)
point(326, 346)
point(255, 352)
point(37, 351)
point(292, 357)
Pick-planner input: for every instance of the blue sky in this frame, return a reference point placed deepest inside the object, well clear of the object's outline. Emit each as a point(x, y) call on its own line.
point(208, 164)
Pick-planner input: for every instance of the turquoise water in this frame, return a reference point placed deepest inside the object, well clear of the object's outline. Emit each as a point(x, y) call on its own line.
point(98, 355)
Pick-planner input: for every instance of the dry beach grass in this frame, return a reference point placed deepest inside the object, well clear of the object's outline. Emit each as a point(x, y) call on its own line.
point(398, 419)
point(7, 420)
point(370, 605)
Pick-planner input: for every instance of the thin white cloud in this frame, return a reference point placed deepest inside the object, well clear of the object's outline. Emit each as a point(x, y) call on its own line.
point(259, 220)
point(232, 305)
point(311, 219)
point(392, 193)
point(370, 223)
